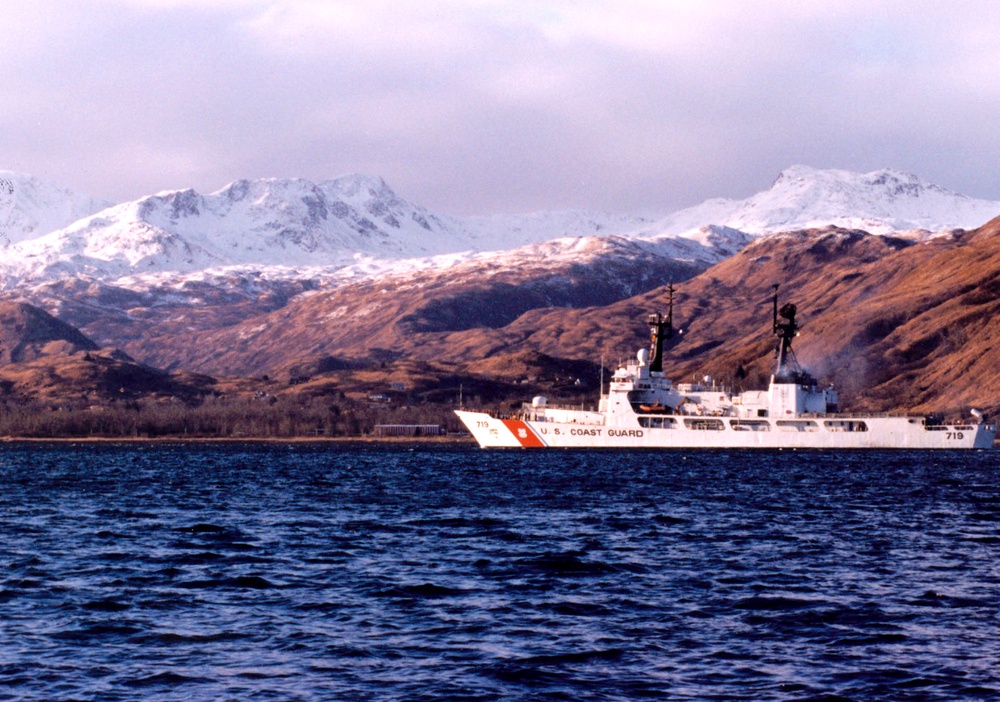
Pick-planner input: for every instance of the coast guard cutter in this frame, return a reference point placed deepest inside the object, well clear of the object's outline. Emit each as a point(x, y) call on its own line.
point(644, 409)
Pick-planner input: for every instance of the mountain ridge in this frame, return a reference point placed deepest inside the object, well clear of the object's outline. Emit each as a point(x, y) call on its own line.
point(31, 206)
point(881, 202)
point(296, 228)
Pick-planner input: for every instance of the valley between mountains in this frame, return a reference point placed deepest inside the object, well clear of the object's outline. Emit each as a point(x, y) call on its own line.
point(326, 319)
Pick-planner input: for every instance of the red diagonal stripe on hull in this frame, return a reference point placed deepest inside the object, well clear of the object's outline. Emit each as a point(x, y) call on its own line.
point(523, 433)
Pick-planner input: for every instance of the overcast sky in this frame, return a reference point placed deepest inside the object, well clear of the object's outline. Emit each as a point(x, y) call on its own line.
point(487, 106)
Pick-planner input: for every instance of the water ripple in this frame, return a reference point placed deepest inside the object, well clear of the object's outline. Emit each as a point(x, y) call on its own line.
point(356, 572)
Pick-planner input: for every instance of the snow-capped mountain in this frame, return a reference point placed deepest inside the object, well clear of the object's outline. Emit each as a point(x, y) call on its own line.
point(279, 222)
point(293, 224)
point(30, 207)
point(880, 202)
point(356, 226)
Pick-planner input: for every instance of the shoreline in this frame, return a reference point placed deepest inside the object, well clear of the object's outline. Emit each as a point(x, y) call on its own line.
point(448, 439)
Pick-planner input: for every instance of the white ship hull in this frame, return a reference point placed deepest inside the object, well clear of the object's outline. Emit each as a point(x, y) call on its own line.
point(885, 432)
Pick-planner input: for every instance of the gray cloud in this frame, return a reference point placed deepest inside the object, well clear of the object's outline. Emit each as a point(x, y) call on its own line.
point(482, 106)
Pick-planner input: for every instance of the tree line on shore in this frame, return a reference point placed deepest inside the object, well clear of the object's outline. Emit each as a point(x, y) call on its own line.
point(216, 417)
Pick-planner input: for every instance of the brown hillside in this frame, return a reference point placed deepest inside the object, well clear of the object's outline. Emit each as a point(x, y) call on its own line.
point(94, 378)
point(27, 333)
point(399, 316)
point(116, 316)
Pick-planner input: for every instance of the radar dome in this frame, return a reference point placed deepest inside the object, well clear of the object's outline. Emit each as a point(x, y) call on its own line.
point(643, 357)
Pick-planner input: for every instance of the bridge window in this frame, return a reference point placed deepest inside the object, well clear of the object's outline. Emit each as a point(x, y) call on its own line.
point(845, 425)
point(657, 422)
point(797, 425)
point(704, 424)
point(750, 425)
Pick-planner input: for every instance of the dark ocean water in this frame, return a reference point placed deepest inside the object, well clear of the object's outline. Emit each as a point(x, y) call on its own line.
point(298, 572)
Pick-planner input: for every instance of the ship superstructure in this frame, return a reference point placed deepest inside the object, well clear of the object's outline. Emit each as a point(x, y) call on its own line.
point(643, 408)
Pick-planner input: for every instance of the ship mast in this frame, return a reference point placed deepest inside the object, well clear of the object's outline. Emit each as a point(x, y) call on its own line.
point(660, 328)
point(787, 368)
